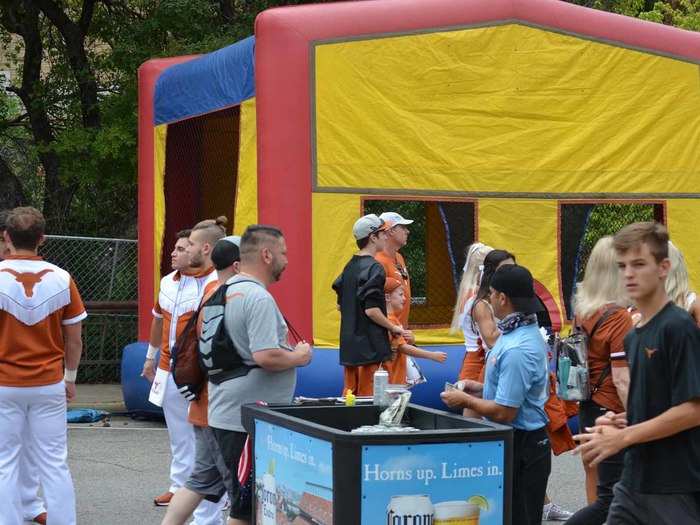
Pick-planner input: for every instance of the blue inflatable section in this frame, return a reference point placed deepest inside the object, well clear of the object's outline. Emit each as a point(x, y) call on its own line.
point(217, 80)
point(135, 388)
point(322, 378)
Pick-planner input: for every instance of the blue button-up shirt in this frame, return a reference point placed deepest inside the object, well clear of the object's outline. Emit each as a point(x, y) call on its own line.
point(516, 376)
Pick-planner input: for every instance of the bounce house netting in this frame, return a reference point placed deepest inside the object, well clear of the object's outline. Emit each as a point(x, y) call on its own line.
point(201, 165)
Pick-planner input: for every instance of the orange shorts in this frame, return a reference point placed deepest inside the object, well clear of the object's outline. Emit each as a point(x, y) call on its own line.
point(360, 379)
point(472, 365)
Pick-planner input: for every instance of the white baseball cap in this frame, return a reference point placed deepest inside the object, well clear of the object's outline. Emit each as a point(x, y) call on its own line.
point(394, 218)
point(369, 224)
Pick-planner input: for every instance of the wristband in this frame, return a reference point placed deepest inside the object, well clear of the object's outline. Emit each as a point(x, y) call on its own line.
point(70, 375)
point(152, 350)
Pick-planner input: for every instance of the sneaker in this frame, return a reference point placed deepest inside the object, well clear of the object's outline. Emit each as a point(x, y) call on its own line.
point(163, 500)
point(41, 519)
point(553, 512)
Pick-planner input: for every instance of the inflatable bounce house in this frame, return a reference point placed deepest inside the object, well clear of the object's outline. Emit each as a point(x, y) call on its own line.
point(512, 122)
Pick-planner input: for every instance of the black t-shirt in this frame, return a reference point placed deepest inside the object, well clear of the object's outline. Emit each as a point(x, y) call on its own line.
point(359, 287)
point(664, 362)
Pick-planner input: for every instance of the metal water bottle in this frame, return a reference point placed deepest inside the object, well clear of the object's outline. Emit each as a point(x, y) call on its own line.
point(381, 381)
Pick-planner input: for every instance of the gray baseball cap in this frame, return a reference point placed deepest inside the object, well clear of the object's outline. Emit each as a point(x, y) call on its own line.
point(369, 224)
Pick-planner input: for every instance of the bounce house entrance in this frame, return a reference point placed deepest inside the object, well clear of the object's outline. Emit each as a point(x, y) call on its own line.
point(201, 166)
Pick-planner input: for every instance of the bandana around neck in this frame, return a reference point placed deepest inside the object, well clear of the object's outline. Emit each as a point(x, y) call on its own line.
point(515, 320)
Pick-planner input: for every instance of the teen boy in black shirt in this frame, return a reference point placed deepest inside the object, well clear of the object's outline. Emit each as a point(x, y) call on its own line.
point(661, 479)
point(364, 342)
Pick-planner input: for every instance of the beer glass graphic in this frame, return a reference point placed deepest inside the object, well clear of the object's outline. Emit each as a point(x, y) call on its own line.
point(456, 513)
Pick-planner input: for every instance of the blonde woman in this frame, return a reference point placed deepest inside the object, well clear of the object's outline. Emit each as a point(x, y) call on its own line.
point(599, 308)
point(678, 286)
point(462, 317)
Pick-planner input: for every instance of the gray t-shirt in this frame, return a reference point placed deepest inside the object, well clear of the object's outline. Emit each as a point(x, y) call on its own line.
point(254, 323)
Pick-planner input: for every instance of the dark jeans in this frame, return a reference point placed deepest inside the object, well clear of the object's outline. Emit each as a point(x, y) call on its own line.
point(609, 473)
point(231, 445)
point(632, 508)
point(532, 463)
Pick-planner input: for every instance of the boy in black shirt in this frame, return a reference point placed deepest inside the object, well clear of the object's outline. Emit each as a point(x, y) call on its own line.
point(661, 479)
point(364, 342)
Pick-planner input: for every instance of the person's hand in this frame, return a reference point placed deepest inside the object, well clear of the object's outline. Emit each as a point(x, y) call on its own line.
point(636, 318)
point(303, 350)
point(187, 393)
point(70, 390)
point(612, 419)
point(471, 387)
point(455, 398)
point(440, 357)
point(599, 443)
point(397, 329)
point(409, 337)
point(149, 370)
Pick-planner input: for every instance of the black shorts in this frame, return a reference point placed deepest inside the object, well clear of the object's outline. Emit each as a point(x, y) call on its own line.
point(231, 444)
point(632, 508)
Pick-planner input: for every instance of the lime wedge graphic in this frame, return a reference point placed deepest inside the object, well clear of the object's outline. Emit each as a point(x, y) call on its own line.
point(479, 501)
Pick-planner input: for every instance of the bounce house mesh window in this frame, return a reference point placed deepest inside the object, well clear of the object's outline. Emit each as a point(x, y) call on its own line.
point(201, 166)
point(582, 224)
point(434, 254)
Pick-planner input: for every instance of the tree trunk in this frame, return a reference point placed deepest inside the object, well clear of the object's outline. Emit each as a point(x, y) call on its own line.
point(23, 19)
point(73, 35)
point(11, 193)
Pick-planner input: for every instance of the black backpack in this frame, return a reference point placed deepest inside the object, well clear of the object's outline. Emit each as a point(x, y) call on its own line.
point(218, 356)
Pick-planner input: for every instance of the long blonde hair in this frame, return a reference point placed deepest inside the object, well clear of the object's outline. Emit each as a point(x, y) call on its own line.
point(677, 282)
point(601, 283)
point(471, 273)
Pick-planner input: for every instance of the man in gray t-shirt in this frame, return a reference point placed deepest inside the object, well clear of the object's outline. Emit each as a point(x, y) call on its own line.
point(254, 324)
point(259, 333)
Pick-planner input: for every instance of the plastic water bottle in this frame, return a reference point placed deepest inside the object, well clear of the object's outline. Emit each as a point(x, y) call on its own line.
point(381, 382)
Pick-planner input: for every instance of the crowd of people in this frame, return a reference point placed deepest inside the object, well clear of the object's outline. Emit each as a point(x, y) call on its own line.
point(640, 437)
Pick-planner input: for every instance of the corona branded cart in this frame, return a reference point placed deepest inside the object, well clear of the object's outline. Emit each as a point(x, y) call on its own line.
point(310, 469)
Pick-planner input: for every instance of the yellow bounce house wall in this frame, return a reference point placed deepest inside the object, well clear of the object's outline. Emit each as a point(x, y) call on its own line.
point(516, 116)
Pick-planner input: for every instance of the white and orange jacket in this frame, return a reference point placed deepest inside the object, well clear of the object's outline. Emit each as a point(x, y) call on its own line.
point(178, 299)
point(37, 299)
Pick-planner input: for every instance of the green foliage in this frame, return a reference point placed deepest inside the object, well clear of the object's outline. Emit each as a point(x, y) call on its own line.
point(679, 13)
point(98, 163)
point(608, 219)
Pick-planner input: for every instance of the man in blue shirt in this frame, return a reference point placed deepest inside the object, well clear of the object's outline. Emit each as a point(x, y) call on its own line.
point(515, 388)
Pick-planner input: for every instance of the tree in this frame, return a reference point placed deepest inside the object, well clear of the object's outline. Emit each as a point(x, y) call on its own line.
point(680, 13)
point(75, 122)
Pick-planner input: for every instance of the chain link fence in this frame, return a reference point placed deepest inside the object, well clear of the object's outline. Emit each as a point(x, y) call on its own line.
point(106, 273)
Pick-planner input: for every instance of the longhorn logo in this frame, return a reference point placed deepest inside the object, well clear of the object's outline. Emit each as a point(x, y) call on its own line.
point(27, 279)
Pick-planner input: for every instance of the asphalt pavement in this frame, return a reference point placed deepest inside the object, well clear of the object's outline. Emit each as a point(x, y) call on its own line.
point(118, 470)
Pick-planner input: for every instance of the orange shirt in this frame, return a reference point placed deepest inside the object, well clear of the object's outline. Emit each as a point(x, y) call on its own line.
point(37, 299)
point(199, 407)
point(396, 268)
point(607, 347)
point(397, 366)
point(179, 297)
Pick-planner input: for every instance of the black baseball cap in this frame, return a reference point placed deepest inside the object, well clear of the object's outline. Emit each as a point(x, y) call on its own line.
point(226, 251)
point(516, 282)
